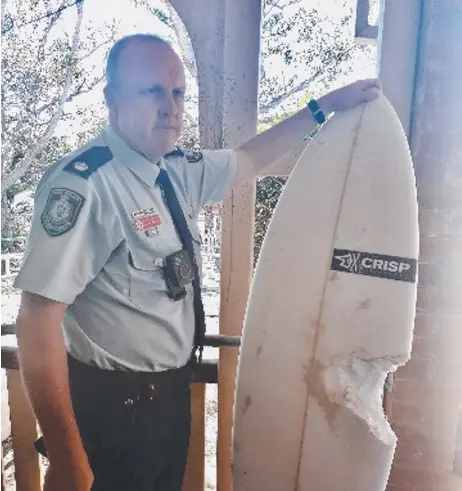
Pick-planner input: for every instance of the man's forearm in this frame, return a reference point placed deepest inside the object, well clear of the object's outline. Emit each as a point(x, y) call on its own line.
point(268, 148)
point(274, 144)
point(44, 368)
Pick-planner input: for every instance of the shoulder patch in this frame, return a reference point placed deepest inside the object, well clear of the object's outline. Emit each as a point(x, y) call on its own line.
point(61, 211)
point(174, 153)
point(194, 156)
point(89, 161)
point(191, 156)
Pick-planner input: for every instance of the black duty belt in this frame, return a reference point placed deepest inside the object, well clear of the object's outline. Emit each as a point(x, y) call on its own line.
point(92, 387)
point(132, 386)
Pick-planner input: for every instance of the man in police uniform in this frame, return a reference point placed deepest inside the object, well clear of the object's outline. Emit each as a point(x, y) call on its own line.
point(111, 313)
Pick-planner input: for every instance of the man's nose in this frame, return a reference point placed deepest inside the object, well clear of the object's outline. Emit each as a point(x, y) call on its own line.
point(169, 107)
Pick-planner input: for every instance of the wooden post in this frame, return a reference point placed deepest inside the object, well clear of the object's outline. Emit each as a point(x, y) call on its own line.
point(23, 433)
point(236, 273)
point(195, 471)
point(240, 108)
point(225, 35)
point(3, 471)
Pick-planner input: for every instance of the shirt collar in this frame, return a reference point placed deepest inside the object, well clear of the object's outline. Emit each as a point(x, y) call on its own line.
point(126, 155)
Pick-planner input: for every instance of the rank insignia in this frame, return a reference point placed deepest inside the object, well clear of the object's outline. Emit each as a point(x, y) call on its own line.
point(81, 166)
point(147, 221)
point(61, 211)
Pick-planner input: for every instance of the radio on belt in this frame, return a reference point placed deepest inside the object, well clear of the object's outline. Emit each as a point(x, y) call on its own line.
point(178, 272)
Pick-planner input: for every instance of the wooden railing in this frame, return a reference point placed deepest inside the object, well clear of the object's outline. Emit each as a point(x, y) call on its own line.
point(24, 430)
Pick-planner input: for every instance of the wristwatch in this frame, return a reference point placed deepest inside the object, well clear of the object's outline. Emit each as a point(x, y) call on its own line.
point(318, 115)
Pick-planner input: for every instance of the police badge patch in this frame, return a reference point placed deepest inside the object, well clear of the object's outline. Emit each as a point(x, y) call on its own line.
point(61, 211)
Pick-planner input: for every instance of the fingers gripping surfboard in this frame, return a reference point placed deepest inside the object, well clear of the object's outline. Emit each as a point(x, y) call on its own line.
point(330, 313)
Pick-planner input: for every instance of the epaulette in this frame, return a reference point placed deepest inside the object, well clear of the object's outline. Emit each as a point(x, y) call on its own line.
point(174, 153)
point(89, 161)
point(191, 156)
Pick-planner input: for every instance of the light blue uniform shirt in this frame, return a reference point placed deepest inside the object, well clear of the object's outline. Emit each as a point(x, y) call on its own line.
point(99, 236)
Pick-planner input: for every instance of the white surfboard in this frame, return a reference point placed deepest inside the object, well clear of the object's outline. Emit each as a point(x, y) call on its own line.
point(330, 313)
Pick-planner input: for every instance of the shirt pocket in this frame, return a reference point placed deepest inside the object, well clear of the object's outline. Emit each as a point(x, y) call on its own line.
point(146, 277)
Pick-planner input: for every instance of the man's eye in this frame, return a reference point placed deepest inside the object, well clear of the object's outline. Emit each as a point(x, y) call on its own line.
point(178, 94)
point(156, 90)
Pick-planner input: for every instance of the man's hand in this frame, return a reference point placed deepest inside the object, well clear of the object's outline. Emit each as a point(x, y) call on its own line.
point(350, 96)
point(271, 146)
point(73, 478)
point(45, 373)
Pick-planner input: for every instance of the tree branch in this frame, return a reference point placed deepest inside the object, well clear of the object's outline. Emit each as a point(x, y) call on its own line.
point(3, 13)
point(272, 4)
point(38, 19)
point(274, 103)
point(94, 49)
point(26, 162)
point(43, 41)
point(78, 91)
point(81, 90)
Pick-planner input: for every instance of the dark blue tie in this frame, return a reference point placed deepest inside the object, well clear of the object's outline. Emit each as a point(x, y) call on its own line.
point(182, 228)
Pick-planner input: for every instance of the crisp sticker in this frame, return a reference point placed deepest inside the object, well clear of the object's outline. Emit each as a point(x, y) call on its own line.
point(379, 265)
point(147, 221)
point(61, 211)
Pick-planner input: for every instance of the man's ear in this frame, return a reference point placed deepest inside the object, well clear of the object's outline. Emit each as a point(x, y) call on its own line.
point(109, 97)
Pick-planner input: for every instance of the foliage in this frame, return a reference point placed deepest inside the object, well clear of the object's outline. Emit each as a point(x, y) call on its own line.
point(38, 52)
point(303, 53)
point(312, 52)
point(268, 192)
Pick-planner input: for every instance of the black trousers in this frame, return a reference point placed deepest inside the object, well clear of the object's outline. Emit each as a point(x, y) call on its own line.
point(135, 426)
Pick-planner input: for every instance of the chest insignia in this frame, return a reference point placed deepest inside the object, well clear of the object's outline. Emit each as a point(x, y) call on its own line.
point(146, 220)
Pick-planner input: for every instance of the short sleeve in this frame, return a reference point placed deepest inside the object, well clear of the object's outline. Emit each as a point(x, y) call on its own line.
point(210, 176)
point(71, 238)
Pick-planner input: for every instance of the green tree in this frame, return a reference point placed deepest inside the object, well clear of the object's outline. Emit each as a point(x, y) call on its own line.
point(45, 68)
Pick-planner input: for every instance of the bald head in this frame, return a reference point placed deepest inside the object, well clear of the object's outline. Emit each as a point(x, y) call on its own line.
point(120, 45)
point(145, 94)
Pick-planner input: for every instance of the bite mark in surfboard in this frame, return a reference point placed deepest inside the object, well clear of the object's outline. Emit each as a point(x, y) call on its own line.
point(356, 384)
point(314, 375)
point(361, 381)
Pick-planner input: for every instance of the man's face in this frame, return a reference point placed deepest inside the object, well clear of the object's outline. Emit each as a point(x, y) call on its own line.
point(147, 103)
